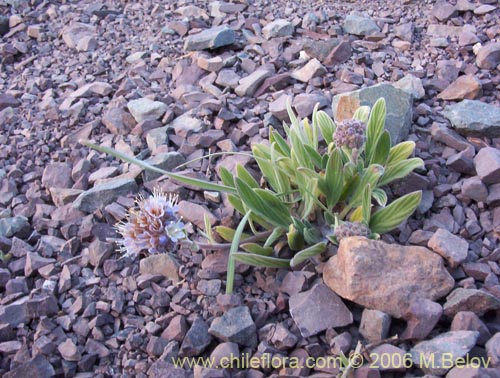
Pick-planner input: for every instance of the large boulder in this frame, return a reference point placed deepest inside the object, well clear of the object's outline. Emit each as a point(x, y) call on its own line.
point(386, 277)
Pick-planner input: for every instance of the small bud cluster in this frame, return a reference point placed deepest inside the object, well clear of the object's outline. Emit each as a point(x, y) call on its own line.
point(350, 133)
point(152, 226)
point(348, 229)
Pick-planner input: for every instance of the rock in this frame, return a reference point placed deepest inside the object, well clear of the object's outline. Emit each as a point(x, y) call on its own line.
point(78, 36)
point(448, 31)
point(278, 28)
point(7, 100)
point(167, 161)
point(34, 262)
point(210, 39)
point(157, 137)
point(97, 88)
point(186, 125)
point(69, 351)
point(488, 56)
point(235, 325)
point(467, 39)
point(465, 87)
point(103, 194)
point(474, 118)
point(194, 213)
point(221, 8)
point(398, 105)
point(176, 329)
point(163, 264)
point(162, 369)
point(474, 188)
point(197, 339)
point(249, 84)
point(451, 247)
point(468, 321)
point(144, 109)
point(360, 25)
point(14, 226)
point(318, 309)
point(386, 277)
point(117, 120)
point(374, 326)
point(99, 251)
point(443, 134)
point(57, 175)
point(472, 371)
point(227, 78)
point(312, 69)
point(421, 316)
point(224, 352)
point(487, 163)
point(443, 11)
point(411, 85)
point(37, 367)
point(438, 355)
point(391, 355)
point(477, 301)
point(282, 338)
point(493, 349)
point(405, 31)
point(339, 54)
point(304, 103)
point(278, 107)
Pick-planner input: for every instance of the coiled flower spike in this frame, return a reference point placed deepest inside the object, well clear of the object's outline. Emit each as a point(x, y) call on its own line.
point(151, 226)
point(350, 133)
point(347, 229)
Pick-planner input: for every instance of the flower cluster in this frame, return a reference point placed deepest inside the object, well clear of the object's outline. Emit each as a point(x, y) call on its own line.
point(350, 133)
point(347, 229)
point(152, 226)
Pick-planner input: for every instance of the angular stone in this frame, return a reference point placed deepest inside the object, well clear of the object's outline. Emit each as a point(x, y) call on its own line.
point(391, 355)
point(443, 134)
point(468, 321)
point(192, 212)
point(197, 339)
point(103, 194)
point(474, 118)
point(374, 326)
point(69, 351)
point(451, 247)
point(144, 109)
point(186, 125)
point(163, 264)
point(477, 301)
point(176, 329)
point(99, 251)
point(318, 309)
point(57, 175)
point(493, 349)
point(249, 84)
point(34, 262)
point(470, 371)
point(488, 56)
point(75, 33)
point(421, 316)
point(443, 349)
point(360, 25)
point(210, 39)
point(117, 120)
point(444, 11)
point(312, 69)
point(167, 161)
point(7, 100)
point(386, 277)
point(340, 54)
point(278, 107)
point(224, 351)
point(487, 163)
point(278, 28)
point(14, 226)
point(398, 105)
point(97, 88)
point(235, 325)
point(474, 188)
point(465, 87)
point(37, 367)
point(411, 85)
point(448, 31)
point(282, 338)
point(163, 369)
point(304, 103)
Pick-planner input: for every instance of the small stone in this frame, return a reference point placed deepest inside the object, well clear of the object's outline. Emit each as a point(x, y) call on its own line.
point(474, 118)
point(488, 56)
point(163, 264)
point(37, 367)
point(391, 355)
point(360, 25)
point(411, 85)
point(483, 9)
point(312, 69)
point(186, 125)
point(144, 109)
point(96, 88)
point(155, 346)
point(197, 339)
point(465, 87)
point(421, 316)
point(249, 84)
point(74, 33)
point(339, 54)
point(487, 163)
point(278, 28)
point(103, 194)
point(34, 262)
point(235, 325)
point(474, 188)
point(443, 134)
point(99, 251)
point(453, 248)
point(7, 100)
point(167, 161)
point(493, 349)
point(444, 11)
point(304, 103)
point(176, 329)
point(477, 301)
point(57, 175)
point(374, 326)
point(282, 338)
point(405, 31)
point(224, 351)
point(468, 321)
point(163, 369)
point(318, 309)
point(14, 226)
point(69, 351)
point(210, 39)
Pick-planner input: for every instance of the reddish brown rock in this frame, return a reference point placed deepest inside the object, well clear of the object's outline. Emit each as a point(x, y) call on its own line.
point(467, 86)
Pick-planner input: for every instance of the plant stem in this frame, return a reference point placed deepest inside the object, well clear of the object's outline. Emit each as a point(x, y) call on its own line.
point(234, 248)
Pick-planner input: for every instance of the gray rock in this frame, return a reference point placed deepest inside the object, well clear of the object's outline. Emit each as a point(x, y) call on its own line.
point(477, 301)
point(304, 103)
point(104, 194)
point(227, 78)
point(312, 69)
point(163, 369)
point(360, 25)
point(398, 105)
point(448, 31)
point(488, 56)
point(186, 125)
point(235, 325)
point(405, 31)
point(144, 109)
point(157, 137)
point(443, 134)
point(421, 317)
point(97, 88)
point(278, 28)
point(374, 326)
point(167, 161)
point(99, 251)
point(7, 100)
point(224, 351)
point(411, 85)
point(493, 349)
point(282, 338)
point(452, 247)
point(438, 355)
point(37, 367)
point(14, 226)
point(249, 84)
point(197, 339)
point(318, 309)
point(210, 39)
point(34, 262)
point(474, 118)
point(487, 163)
point(163, 264)
point(77, 35)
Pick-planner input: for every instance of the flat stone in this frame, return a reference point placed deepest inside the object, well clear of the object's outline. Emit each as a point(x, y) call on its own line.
point(386, 277)
point(103, 194)
point(360, 25)
point(75, 34)
point(227, 78)
point(488, 56)
point(167, 161)
point(421, 317)
point(374, 326)
point(163, 264)
point(443, 11)
point(468, 321)
point(34, 262)
point(249, 84)
point(465, 87)
point(304, 103)
point(448, 31)
point(312, 69)
point(96, 88)
point(192, 212)
point(278, 107)
point(441, 133)
point(474, 118)
point(487, 163)
point(117, 120)
point(197, 339)
point(443, 349)
point(224, 351)
point(7, 100)
point(477, 301)
point(69, 351)
point(451, 247)
point(339, 54)
point(483, 9)
point(278, 28)
point(186, 125)
point(144, 109)
point(474, 188)
point(57, 175)
point(398, 105)
point(37, 367)
point(235, 325)
point(210, 39)
point(411, 85)
point(14, 226)
point(318, 309)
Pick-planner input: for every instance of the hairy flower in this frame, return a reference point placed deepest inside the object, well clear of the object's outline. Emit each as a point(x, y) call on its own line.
point(347, 229)
point(350, 133)
point(152, 225)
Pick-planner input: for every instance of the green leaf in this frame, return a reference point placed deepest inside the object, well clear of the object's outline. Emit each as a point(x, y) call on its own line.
point(227, 233)
point(261, 261)
point(334, 178)
point(375, 127)
point(397, 212)
point(257, 249)
point(311, 251)
point(383, 148)
point(400, 152)
point(357, 215)
point(291, 114)
point(325, 124)
point(299, 150)
point(264, 204)
point(226, 176)
point(366, 204)
point(281, 145)
point(275, 235)
point(234, 247)
point(362, 113)
point(380, 196)
point(244, 175)
point(370, 176)
point(399, 170)
point(295, 238)
point(262, 156)
point(314, 156)
point(206, 185)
